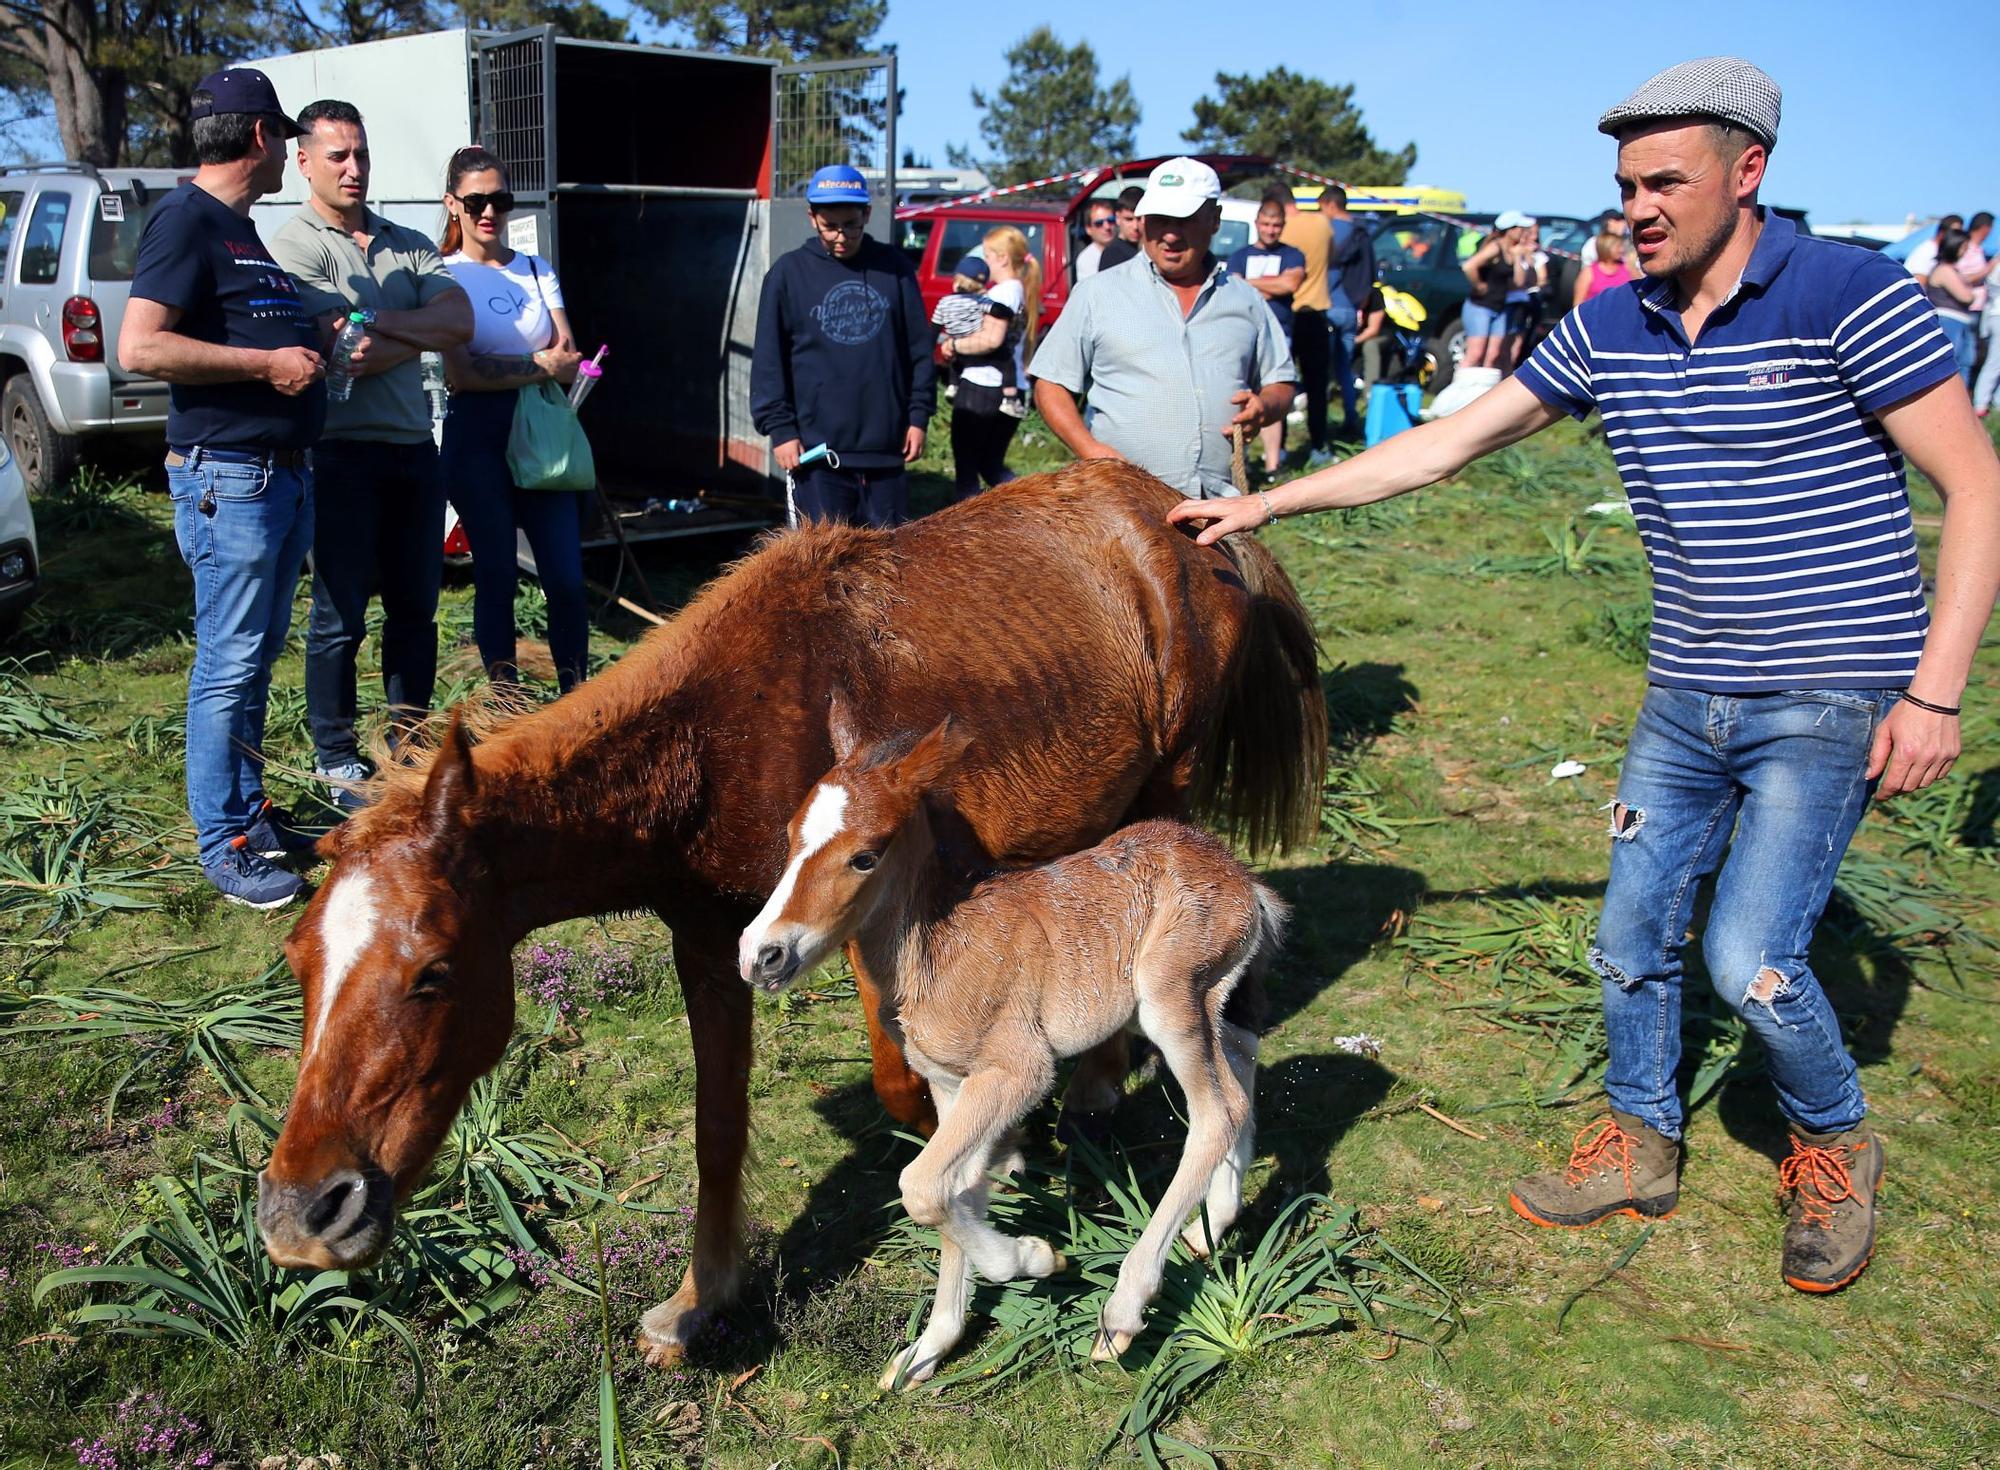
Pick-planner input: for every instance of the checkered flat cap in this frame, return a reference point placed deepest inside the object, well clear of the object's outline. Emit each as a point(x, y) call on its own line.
point(1725, 88)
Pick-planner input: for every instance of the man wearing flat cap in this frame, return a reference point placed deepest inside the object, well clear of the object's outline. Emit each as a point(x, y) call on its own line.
point(221, 322)
point(1760, 391)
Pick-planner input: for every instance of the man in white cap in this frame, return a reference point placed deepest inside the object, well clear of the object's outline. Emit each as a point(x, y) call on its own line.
point(1760, 390)
point(1173, 351)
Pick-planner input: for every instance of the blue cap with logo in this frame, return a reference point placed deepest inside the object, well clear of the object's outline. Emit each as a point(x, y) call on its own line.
point(241, 89)
point(837, 183)
point(973, 265)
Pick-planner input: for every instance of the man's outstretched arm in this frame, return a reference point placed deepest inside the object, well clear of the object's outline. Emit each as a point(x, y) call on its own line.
point(1418, 457)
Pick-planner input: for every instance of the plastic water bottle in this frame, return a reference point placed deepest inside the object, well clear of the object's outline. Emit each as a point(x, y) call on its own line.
point(434, 385)
point(339, 375)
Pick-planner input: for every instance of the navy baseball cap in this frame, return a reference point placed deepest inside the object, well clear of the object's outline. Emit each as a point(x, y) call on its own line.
point(973, 266)
point(242, 89)
point(837, 183)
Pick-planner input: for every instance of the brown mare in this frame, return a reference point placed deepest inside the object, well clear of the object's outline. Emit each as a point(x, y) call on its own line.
point(1105, 668)
point(988, 980)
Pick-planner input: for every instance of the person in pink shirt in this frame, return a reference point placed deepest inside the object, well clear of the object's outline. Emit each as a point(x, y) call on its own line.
point(1605, 267)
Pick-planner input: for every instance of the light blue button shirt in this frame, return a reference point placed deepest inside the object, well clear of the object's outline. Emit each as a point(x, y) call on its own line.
point(1159, 383)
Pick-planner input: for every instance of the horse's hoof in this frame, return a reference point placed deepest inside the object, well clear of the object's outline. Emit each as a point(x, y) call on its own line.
point(1110, 1346)
point(660, 1354)
point(899, 1373)
point(667, 1330)
point(1039, 1258)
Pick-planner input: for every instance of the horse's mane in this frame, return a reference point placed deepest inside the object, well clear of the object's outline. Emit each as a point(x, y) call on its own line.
point(815, 574)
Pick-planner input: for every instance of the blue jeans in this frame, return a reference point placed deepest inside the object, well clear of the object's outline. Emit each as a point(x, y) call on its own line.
point(491, 507)
point(1342, 322)
point(1988, 386)
point(1787, 772)
point(380, 527)
point(1964, 339)
point(243, 529)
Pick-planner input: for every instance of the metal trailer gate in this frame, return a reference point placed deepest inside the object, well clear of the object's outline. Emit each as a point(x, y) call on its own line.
point(832, 112)
point(513, 90)
point(679, 394)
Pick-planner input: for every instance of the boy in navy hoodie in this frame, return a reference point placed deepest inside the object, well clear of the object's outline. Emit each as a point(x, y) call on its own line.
point(843, 359)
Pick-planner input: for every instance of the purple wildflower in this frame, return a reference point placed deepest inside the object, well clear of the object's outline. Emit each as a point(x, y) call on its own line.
point(570, 980)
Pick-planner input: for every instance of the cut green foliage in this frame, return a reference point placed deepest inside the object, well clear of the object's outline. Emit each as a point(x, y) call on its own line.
point(1570, 554)
point(27, 713)
point(198, 1272)
point(172, 1035)
point(1314, 1269)
point(71, 865)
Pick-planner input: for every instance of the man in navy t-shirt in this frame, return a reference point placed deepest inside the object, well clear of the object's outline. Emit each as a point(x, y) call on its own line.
point(1276, 270)
point(215, 317)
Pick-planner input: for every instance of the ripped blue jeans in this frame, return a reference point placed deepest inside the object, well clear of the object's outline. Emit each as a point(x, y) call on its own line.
point(1787, 775)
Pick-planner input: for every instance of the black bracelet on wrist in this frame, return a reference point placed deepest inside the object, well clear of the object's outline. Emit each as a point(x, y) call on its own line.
point(1936, 709)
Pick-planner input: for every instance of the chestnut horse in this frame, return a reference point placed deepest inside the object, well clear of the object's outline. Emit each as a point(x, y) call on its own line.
point(1104, 666)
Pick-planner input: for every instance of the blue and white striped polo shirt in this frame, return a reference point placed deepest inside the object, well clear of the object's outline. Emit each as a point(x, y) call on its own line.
point(1771, 502)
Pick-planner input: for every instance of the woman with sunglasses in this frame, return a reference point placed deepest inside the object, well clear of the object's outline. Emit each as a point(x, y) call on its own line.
point(521, 335)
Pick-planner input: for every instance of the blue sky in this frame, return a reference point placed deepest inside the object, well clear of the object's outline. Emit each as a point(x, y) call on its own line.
point(1502, 100)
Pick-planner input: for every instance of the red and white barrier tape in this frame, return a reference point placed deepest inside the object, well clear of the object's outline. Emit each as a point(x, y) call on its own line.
point(985, 194)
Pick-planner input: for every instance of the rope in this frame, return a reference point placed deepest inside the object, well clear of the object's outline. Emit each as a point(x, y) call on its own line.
point(1239, 472)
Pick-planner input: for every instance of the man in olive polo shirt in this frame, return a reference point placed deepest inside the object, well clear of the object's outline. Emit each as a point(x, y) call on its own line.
point(380, 492)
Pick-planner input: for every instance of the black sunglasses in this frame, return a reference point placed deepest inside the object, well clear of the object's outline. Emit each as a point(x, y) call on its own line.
point(1103, 220)
point(475, 204)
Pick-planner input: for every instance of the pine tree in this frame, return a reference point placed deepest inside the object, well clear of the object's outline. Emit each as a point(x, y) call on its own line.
point(792, 30)
point(1050, 115)
point(1299, 120)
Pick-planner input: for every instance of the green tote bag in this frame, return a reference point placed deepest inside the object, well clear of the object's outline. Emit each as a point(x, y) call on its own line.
point(547, 448)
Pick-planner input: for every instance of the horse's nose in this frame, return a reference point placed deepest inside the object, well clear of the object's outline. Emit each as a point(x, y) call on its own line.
point(771, 961)
point(340, 1202)
point(341, 1219)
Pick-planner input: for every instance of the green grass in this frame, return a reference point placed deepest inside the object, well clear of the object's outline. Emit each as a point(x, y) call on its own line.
point(1476, 634)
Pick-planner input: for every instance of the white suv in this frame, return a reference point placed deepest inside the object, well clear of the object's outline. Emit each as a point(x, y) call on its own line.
point(69, 236)
point(20, 556)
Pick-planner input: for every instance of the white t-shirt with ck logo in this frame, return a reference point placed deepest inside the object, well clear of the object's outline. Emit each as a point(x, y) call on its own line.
point(510, 303)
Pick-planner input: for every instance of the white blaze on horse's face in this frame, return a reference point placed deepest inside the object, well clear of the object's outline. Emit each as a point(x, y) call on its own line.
point(346, 924)
point(825, 816)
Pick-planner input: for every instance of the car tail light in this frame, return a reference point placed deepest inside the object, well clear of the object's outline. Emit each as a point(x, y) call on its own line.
point(82, 330)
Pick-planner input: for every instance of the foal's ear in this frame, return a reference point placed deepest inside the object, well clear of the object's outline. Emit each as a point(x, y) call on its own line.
point(451, 781)
point(932, 759)
point(842, 726)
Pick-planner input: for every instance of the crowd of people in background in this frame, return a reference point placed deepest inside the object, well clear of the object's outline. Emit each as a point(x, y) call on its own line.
point(1162, 356)
point(1952, 265)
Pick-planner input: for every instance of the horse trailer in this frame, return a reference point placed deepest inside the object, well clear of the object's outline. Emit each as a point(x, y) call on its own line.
point(661, 183)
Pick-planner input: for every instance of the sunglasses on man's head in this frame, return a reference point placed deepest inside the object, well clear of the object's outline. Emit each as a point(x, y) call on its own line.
point(475, 204)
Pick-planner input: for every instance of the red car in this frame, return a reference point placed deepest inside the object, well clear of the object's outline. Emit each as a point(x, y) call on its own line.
point(938, 234)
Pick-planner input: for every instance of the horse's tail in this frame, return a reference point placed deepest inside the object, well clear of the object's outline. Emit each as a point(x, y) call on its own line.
point(1265, 761)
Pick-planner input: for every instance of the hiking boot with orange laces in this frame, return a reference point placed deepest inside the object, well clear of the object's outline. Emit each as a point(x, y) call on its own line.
point(1618, 1166)
point(1828, 1185)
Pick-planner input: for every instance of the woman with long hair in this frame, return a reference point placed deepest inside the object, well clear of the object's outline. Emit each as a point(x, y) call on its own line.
point(521, 336)
point(991, 362)
point(1953, 297)
point(1501, 264)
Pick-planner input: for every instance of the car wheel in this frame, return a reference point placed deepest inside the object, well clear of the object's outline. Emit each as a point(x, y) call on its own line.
point(47, 459)
point(1447, 350)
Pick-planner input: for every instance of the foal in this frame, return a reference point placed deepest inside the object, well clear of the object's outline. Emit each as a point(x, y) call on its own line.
point(985, 986)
